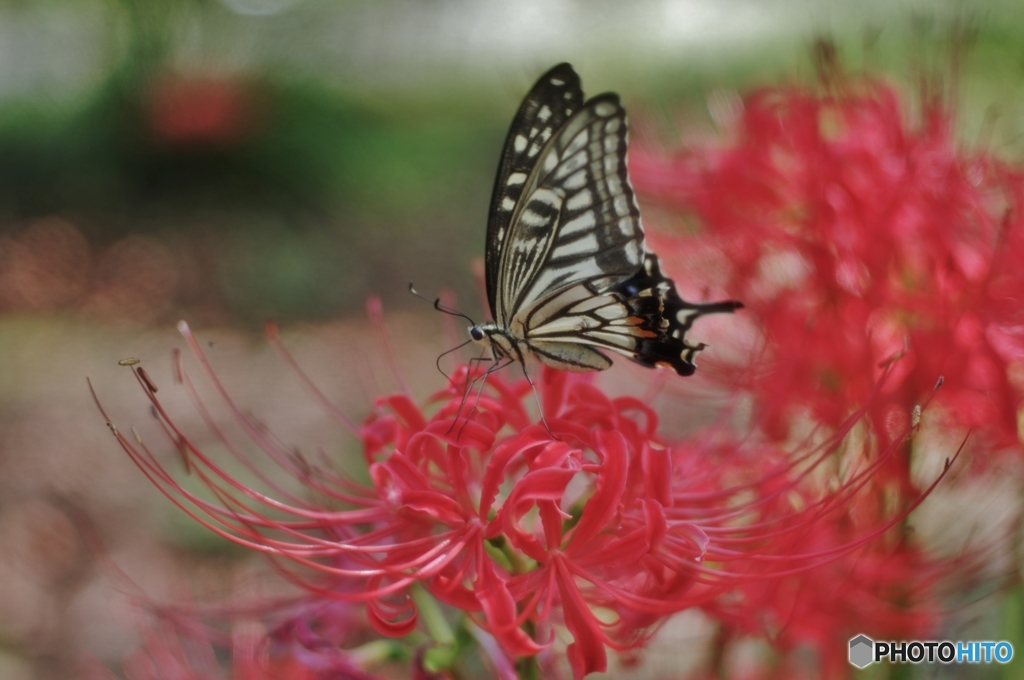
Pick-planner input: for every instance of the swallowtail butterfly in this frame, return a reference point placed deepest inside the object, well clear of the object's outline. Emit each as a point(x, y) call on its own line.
point(567, 271)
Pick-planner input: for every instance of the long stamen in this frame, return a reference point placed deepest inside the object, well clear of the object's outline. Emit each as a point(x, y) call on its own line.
point(375, 311)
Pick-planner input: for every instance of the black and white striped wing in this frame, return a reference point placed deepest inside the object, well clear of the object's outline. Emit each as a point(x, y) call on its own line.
point(556, 96)
point(567, 271)
point(576, 219)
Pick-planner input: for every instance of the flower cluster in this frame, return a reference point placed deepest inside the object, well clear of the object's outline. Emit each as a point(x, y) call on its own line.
point(511, 521)
point(861, 245)
point(853, 237)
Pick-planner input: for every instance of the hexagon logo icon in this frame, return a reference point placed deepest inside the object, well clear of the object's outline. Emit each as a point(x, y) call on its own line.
point(861, 651)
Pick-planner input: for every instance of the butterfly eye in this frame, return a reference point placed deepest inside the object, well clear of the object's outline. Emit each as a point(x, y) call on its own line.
point(476, 333)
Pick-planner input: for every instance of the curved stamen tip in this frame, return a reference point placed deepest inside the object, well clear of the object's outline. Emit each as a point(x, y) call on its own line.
point(270, 328)
point(184, 329)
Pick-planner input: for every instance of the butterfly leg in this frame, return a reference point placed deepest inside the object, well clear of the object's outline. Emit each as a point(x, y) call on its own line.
point(469, 386)
point(442, 354)
point(497, 366)
point(540, 406)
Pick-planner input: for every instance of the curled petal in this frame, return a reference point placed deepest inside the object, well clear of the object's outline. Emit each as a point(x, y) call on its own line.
point(435, 505)
point(500, 610)
point(611, 482)
point(626, 404)
point(534, 487)
point(656, 524)
point(656, 464)
point(393, 620)
point(499, 460)
point(586, 652)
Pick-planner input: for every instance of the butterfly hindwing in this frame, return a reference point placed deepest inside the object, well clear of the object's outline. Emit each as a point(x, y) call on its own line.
point(653, 297)
point(643, 318)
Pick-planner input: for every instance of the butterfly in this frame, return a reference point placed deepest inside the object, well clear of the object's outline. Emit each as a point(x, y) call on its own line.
point(568, 275)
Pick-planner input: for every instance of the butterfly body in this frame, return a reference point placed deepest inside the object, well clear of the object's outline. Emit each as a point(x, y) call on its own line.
point(568, 275)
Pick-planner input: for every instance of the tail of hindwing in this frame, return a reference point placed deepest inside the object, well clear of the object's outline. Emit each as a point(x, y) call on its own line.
point(666, 317)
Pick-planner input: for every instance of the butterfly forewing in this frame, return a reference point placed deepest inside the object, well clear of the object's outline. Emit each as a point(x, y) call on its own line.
point(555, 97)
point(577, 219)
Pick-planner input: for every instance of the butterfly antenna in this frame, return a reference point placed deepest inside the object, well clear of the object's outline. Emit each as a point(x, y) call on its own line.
point(440, 307)
point(447, 310)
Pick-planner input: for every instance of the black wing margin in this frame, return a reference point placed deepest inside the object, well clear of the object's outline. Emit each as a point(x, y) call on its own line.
point(666, 317)
point(553, 99)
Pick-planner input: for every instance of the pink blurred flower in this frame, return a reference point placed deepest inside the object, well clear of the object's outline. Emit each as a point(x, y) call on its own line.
point(816, 555)
point(200, 111)
point(887, 588)
point(176, 644)
point(853, 236)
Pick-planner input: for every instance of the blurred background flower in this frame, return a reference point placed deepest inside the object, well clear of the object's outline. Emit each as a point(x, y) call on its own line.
point(229, 161)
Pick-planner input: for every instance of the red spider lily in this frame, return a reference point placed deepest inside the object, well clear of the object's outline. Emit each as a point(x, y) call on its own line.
point(806, 568)
point(438, 513)
point(887, 588)
point(585, 522)
point(852, 236)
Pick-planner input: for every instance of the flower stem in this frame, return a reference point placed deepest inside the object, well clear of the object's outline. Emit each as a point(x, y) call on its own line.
point(527, 667)
point(376, 652)
point(433, 618)
point(445, 650)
